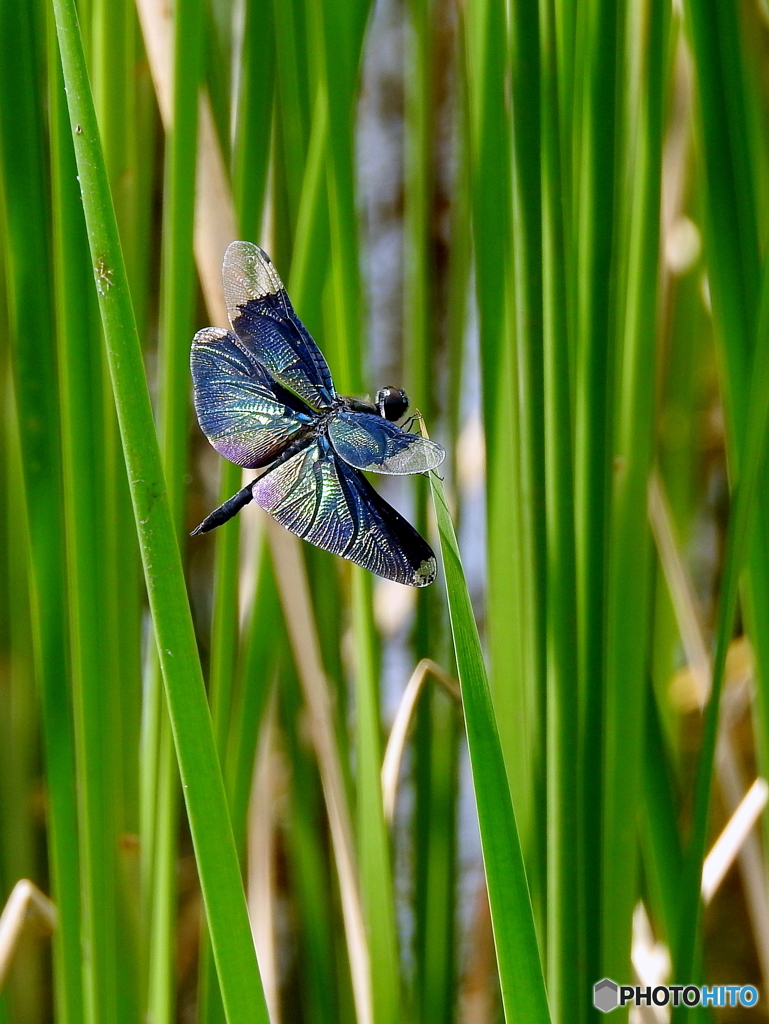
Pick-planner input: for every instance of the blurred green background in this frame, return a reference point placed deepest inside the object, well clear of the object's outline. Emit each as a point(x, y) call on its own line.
point(544, 219)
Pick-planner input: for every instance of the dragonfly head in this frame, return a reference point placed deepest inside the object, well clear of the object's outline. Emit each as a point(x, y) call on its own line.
point(391, 403)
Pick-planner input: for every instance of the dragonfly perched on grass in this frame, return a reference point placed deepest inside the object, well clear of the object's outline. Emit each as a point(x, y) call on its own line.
point(264, 397)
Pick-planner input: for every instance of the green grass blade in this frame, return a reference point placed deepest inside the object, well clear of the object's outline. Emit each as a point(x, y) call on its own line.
point(112, 61)
point(338, 39)
point(630, 550)
point(663, 860)
point(594, 227)
point(255, 101)
point(312, 874)
point(373, 840)
point(734, 269)
point(26, 242)
point(265, 639)
point(80, 368)
point(520, 714)
point(177, 303)
point(201, 776)
point(563, 921)
point(419, 271)
point(290, 87)
point(525, 341)
point(520, 970)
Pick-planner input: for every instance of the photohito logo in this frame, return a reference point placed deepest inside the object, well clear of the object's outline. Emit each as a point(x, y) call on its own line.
point(608, 995)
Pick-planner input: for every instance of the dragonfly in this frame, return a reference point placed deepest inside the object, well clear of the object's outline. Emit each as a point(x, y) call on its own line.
point(264, 397)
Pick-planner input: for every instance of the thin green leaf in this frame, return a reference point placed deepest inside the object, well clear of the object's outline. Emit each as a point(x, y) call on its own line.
point(201, 776)
point(520, 969)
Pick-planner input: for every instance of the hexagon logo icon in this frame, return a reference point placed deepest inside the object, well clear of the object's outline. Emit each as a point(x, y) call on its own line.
point(605, 995)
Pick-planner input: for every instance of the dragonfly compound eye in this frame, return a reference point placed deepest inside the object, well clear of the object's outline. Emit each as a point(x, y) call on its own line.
point(392, 403)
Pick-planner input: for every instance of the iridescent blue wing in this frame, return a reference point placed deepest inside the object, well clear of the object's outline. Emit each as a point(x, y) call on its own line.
point(373, 443)
point(245, 415)
point(261, 315)
point(316, 496)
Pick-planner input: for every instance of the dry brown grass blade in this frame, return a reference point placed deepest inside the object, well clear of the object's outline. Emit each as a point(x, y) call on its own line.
point(215, 222)
point(215, 227)
point(25, 903)
point(391, 763)
point(730, 776)
point(728, 845)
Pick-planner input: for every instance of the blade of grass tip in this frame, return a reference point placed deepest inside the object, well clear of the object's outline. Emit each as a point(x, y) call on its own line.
point(520, 969)
point(743, 512)
point(630, 549)
point(26, 243)
point(566, 983)
point(204, 791)
point(25, 903)
point(396, 742)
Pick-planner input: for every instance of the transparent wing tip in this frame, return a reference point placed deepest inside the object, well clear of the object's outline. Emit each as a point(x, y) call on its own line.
point(425, 574)
point(248, 274)
point(208, 335)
